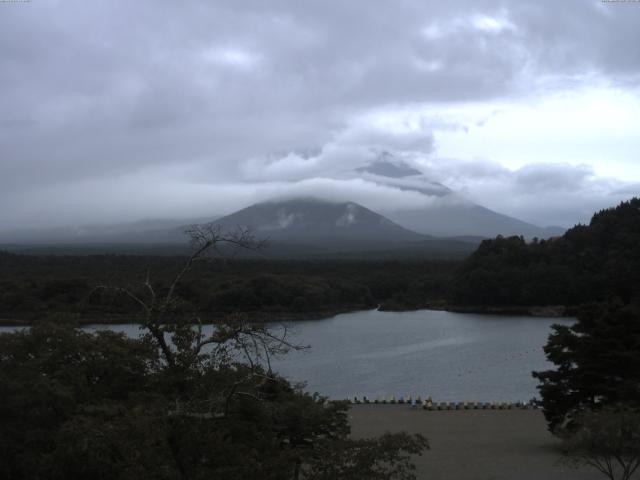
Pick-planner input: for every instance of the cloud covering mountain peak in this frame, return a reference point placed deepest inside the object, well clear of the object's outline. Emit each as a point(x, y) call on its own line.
point(203, 108)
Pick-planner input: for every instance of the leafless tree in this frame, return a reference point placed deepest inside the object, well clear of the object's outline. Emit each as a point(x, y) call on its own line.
point(181, 339)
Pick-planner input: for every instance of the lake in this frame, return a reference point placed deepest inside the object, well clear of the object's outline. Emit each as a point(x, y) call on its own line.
point(450, 356)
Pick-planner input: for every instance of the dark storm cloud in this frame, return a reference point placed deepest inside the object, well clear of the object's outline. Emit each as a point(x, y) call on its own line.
point(115, 91)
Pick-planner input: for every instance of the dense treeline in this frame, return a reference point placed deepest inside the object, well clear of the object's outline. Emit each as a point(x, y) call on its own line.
point(33, 285)
point(588, 263)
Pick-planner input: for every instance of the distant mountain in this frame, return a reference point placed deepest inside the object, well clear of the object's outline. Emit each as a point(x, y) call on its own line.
point(391, 171)
point(446, 213)
point(295, 228)
point(387, 166)
point(314, 222)
point(468, 219)
point(308, 227)
point(302, 225)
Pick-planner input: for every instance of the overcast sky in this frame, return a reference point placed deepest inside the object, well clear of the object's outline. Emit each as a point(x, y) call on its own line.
point(119, 110)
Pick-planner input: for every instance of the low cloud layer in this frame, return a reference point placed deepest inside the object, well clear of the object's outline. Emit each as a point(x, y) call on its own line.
point(114, 111)
point(544, 194)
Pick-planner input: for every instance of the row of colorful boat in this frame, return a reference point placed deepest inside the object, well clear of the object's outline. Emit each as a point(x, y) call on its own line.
point(428, 404)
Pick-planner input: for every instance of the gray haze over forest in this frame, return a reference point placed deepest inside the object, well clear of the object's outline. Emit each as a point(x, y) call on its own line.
point(114, 111)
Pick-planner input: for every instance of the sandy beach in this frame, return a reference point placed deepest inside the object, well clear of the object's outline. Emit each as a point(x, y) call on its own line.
point(474, 444)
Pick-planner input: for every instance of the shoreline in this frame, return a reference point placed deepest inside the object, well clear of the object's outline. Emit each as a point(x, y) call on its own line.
point(553, 311)
point(126, 319)
point(549, 311)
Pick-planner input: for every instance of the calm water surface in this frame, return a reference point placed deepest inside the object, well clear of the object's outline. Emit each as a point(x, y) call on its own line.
point(450, 356)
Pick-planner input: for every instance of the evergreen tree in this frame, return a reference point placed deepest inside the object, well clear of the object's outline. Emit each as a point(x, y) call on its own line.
point(597, 363)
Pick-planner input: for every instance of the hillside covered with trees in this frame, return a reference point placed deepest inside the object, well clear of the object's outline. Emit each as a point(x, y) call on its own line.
point(588, 263)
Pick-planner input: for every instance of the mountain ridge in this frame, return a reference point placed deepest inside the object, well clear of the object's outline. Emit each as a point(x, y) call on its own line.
point(312, 221)
point(447, 214)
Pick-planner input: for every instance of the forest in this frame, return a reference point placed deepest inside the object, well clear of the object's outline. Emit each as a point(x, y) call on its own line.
point(32, 285)
point(588, 263)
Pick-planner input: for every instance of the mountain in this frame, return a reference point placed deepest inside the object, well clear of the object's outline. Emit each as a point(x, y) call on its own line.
point(308, 227)
point(386, 166)
point(445, 212)
point(464, 218)
point(323, 225)
point(308, 221)
point(295, 228)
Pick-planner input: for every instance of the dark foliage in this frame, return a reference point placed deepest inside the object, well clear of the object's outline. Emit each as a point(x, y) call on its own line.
point(94, 406)
point(31, 286)
point(588, 263)
point(597, 364)
point(176, 403)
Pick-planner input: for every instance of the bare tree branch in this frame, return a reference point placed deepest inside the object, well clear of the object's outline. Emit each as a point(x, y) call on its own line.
point(255, 341)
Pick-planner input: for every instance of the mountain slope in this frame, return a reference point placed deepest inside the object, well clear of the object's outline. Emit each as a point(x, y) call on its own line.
point(297, 228)
point(446, 214)
point(443, 213)
point(320, 223)
point(467, 218)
